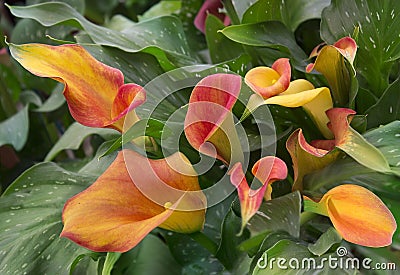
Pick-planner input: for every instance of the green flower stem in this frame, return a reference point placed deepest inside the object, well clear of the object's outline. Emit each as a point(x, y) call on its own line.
point(306, 216)
point(111, 259)
point(315, 207)
point(205, 242)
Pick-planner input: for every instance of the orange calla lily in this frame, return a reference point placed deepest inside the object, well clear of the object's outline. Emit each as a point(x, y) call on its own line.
point(209, 125)
point(266, 170)
point(357, 214)
point(273, 86)
point(95, 93)
point(307, 157)
point(351, 142)
point(113, 214)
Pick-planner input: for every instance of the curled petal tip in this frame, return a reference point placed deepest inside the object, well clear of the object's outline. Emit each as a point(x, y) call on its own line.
point(310, 67)
point(269, 169)
point(95, 93)
point(347, 47)
point(269, 82)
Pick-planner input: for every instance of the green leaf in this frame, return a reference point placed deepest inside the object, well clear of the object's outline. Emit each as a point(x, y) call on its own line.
point(241, 6)
point(378, 38)
point(169, 47)
point(151, 257)
point(220, 47)
point(12, 87)
point(30, 31)
point(216, 214)
point(119, 23)
point(386, 139)
point(364, 152)
point(291, 257)
point(285, 249)
point(365, 99)
point(85, 264)
point(30, 211)
point(55, 101)
point(161, 8)
point(14, 130)
point(30, 97)
point(271, 34)
point(290, 12)
point(383, 256)
point(349, 171)
point(387, 108)
point(192, 251)
point(228, 252)
point(394, 207)
point(75, 135)
point(188, 12)
point(137, 68)
point(239, 65)
point(194, 258)
point(98, 165)
point(282, 213)
point(268, 241)
point(78, 5)
point(325, 242)
point(100, 10)
point(145, 127)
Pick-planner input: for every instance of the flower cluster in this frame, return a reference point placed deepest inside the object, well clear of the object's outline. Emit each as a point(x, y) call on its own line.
point(115, 214)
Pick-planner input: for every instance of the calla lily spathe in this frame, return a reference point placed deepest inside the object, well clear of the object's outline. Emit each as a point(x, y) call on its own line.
point(358, 215)
point(209, 125)
point(307, 157)
point(95, 93)
point(330, 62)
point(114, 214)
point(266, 170)
point(273, 86)
point(268, 82)
point(213, 7)
point(346, 46)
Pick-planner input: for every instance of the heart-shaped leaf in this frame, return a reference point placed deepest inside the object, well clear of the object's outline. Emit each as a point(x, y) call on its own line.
point(30, 210)
point(282, 213)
